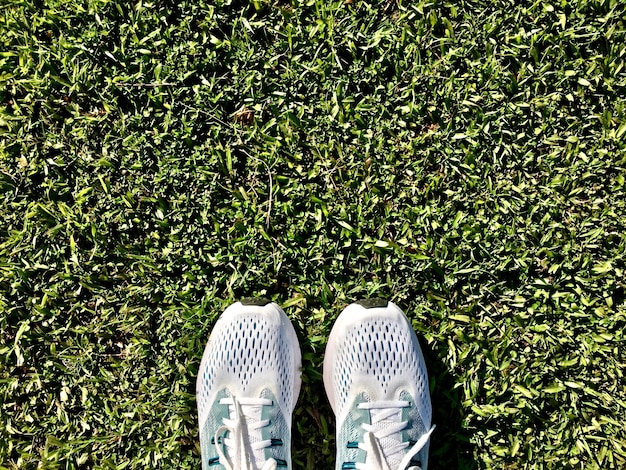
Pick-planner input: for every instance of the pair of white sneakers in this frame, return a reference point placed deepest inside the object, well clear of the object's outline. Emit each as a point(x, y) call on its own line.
point(374, 376)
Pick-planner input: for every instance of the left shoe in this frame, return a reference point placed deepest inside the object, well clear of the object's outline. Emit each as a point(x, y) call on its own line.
point(247, 387)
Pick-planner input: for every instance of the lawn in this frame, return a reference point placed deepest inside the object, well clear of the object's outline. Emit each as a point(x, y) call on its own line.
point(159, 161)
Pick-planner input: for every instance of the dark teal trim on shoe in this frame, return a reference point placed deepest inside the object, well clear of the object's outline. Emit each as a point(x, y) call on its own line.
point(373, 303)
point(256, 301)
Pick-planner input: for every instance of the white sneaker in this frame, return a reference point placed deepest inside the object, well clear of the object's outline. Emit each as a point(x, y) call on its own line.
point(376, 382)
point(248, 384)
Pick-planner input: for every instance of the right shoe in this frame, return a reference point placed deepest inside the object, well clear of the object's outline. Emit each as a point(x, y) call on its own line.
point(376, 381)
point(247, 387)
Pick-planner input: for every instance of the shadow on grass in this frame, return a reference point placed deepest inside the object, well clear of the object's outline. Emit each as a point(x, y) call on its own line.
point(314, 422)
point(450, 445)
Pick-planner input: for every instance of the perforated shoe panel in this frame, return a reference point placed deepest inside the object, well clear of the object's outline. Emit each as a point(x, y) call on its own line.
point(252, 351)
point(373, 352)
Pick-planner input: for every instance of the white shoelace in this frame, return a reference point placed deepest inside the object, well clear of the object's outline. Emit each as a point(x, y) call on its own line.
point(385, 418)
point(246, 455)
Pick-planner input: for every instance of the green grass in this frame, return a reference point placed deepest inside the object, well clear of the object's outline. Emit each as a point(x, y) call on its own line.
point(160, 160)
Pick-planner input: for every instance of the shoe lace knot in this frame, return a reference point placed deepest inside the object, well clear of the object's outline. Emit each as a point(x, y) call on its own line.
point(243, 448)
point(383, 441)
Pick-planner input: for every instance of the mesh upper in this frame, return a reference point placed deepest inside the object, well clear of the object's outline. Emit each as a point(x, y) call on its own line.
point(373, 355)
point(385, 351)
point(279, 427)
point(249, 350)
point(252, 352)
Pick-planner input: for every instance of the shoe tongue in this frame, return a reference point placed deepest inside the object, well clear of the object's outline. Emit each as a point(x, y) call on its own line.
point(249, 416)
point(392, 440)
point(254, 414)
point(375, 458)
